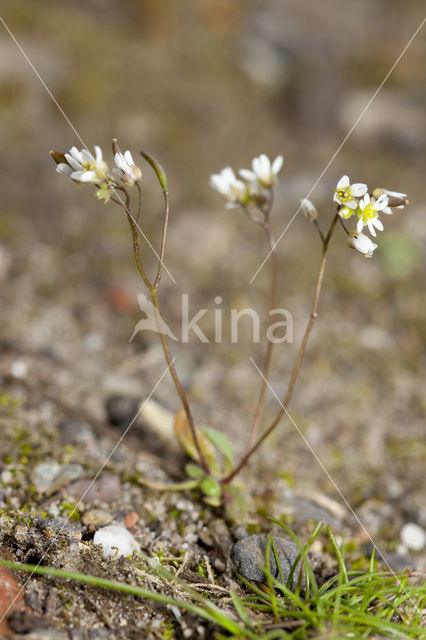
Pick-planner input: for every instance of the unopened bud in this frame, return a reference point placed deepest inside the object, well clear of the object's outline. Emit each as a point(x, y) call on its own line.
point(58, 157)
point(115, 146)
point(395, 198)
point(308, 210)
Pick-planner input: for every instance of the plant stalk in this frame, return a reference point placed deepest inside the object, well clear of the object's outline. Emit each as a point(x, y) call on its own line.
point(270, 345)
point(153, 289)
point(299, 357)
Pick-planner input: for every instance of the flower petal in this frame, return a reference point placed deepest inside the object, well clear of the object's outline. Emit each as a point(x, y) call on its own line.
point(128, 157)
point(248, 175)
point(343, 182)
point(277, 164)
point(64, 168)
point(358, 189)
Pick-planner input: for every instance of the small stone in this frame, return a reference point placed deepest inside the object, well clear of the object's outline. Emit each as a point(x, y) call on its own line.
point(121, 410)
point(131, 519)
point(20, 534)
point(6, 476)
point(413, 536)
point(97, 518)
point(106, 489)
point(248, 556)
point(57, 526)
point(75, 431)
point(19, 369)
point(52, 476)
point(11, 596)
point(116, 541)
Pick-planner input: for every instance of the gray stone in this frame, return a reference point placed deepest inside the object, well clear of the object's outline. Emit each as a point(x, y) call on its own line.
point(75, 431)
point(52, 476)
point(121, 410)
point(248, 556)
point(57, 526)
point(106, 489)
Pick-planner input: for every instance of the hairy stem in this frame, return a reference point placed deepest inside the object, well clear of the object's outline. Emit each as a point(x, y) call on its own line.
point(299, 357)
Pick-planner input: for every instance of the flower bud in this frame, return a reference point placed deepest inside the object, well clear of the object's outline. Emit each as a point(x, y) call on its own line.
point(361, 243)
point(308, 210)
point(58, 157)
point(395, 198)
point(115, 146)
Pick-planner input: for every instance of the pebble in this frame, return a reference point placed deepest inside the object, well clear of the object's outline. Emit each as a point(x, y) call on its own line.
point(97, 518)
point(19, 369)
point(52, 476)
point(131, 519)
point(121, 410)
point(106, 489)
point(116, 541)
point(248, 555)
point(413, 536)
point(75, 431)
point(57, 526)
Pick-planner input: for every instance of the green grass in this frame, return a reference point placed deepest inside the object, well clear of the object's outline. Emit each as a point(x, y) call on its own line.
point(352, 604)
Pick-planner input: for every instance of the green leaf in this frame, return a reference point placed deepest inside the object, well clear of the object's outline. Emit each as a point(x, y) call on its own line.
point(212, 501)
point(210, 487)
point(236, 503)
point(194, 471)
point(184, 435)
point(221, 442)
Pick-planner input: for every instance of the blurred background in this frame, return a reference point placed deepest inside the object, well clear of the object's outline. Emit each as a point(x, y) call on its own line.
point(202, 85)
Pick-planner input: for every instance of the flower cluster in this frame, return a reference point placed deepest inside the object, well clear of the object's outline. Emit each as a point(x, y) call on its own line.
point(253, 189)
point(354, 200)
point(82, 167)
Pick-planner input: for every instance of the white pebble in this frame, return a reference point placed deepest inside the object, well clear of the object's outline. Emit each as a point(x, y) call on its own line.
point(413, 536)
point(116, 541)
point(18, 369)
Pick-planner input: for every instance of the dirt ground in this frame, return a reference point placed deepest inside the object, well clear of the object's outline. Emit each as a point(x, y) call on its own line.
point(203, 87)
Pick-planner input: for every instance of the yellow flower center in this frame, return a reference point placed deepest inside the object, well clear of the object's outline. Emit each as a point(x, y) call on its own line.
point(369, 213)
point(344, 195)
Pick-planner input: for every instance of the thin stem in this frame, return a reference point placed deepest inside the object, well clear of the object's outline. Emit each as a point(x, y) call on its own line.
point(270, 344)
point(177, 382)
point(319, 230)
point(344, 226)
point(134, 231)
point(139, 201)
point(252, 216)
point(299, 358)
point(163, 238)
point(153, 289)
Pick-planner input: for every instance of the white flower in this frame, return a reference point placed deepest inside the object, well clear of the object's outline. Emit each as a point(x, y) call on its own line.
point(347, 193)
point(308, 210)
point(361, 243)
point(229, 187)
point(81, 166)
point(264, 172)
point(126, 170)
point(368, 213)
point(396, 199)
